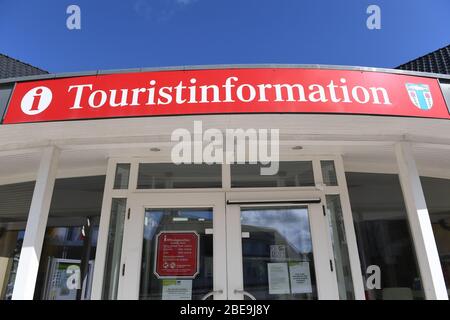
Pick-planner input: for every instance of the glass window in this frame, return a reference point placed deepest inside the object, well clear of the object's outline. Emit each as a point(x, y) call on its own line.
point(68, 252)
point(183, 247)
point(15, 201)
point(122, 176)
point(114, 248)
point(386, 250)
point(171, 176)
point(277, 253)
point(290, 174)
point(328, 172)
point(437, 196)
point(339, 240)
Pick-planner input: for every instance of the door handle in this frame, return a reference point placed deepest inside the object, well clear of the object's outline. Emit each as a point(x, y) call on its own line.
point(245, 293)
point(211, 293)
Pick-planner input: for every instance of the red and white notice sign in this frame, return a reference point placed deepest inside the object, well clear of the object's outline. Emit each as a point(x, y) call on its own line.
point(177, 254)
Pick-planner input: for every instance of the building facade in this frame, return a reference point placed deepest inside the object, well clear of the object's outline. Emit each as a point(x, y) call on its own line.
point(93, 205)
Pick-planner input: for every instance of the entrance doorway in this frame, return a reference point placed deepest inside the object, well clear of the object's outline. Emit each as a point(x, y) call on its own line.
point(248, 247)
point(167, 238)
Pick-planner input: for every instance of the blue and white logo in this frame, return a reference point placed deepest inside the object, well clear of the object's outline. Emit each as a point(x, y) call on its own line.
point(420, 95)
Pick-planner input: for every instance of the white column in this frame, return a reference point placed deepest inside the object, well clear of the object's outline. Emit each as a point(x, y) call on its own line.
point(355, 263)
point(420, 224)
point(103, 232)
point(36, 224)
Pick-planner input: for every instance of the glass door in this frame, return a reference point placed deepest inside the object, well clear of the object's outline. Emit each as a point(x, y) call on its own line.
point(250, 239)
point(174, 247)
point(279, 248)
point(271, 245)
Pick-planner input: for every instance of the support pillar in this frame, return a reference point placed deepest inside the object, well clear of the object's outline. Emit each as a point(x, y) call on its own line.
point(37, 222)
point(420, 224)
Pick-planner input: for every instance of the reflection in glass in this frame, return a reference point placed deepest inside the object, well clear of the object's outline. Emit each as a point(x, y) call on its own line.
point(15, 201)
point(328, 172)
point(290, 174)
point(68, 260)
point(171, 176)
point(122, 176)
point(277, 255)
point(114, 248)
point(192, 219)
point(10, 247)
point(68, 251)
point(340, 250)
point(383, 236)
point(437, 193)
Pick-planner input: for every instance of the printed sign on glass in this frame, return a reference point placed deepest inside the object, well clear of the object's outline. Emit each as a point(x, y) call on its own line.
point(177, 254)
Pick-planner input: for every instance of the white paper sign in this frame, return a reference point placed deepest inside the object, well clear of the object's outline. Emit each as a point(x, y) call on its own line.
point(300, 277)
point(177, 289)
point(278, 278)
point(277, 252)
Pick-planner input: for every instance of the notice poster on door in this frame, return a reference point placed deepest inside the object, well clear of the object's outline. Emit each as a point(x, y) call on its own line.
point(176, 289)
point(177, 254)
point(278, 278)
point(300, 277)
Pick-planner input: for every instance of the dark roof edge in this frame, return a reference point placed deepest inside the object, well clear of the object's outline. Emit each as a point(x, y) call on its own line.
point(25, 63)
point(421, 57)
point(225, 66)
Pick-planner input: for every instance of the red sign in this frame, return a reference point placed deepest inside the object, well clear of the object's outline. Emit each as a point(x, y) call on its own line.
point(222, 91)
point(177, 254)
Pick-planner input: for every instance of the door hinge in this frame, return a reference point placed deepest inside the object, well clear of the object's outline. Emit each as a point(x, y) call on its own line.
point(123, 269)
point(128, 214)
point(324, 211)
point(331, 265)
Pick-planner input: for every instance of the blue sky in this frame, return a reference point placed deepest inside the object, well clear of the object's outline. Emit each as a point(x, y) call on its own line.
point(152, 33)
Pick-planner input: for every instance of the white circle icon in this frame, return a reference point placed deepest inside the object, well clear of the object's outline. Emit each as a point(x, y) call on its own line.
point(36, 100)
